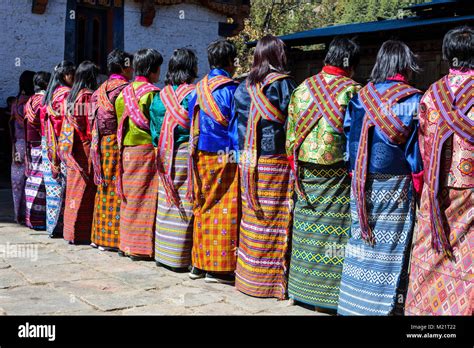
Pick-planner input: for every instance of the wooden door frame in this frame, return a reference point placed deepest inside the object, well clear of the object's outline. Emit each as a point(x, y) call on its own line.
point(115, 30)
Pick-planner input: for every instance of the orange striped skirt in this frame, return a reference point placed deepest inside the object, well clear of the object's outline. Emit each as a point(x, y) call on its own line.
point(138, 209)
point(262, 264)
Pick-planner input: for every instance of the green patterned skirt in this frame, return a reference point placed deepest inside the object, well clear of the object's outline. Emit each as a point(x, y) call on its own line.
point(321, 229)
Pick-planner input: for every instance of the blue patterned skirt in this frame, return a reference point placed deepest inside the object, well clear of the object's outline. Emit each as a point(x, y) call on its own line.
point(55, 189)
point(374, 279)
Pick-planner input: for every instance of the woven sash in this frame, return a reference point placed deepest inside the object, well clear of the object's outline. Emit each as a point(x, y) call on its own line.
point(453, 110)
point(69, 127)
point(379, 113)
point(132, 110)
point(260, 107)
point(59, 96)
point(175, 115)
point(323, 104)
point(106, 105)
point(32, 116)
point(207, 103)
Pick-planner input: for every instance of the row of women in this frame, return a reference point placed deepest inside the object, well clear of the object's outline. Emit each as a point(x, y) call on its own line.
point(304, 191)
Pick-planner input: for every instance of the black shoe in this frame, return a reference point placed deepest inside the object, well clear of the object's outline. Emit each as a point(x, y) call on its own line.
point(196, 273)
point(140, 258)
point(121, 253)
point(222, 278)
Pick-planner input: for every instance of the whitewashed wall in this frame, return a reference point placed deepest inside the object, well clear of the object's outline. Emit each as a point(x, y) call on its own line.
point(170, 30)
point(28, 41)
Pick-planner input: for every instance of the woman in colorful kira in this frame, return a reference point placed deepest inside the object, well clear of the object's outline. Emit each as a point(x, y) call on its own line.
point(104, 151)
point(137, 183)
point(316, 143)
point(441, 281)
point(381, 127)
point(213, 167)
point(35, 190)
point(75, 142)
point(261, 107)
point(170, 133)
point(54, 108)
point(17, 130)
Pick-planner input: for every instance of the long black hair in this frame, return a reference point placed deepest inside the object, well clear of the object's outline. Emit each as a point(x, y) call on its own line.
point(57, 78)
point(26, 83)
point(85, 77)
point(41, 80)
point(182, 67)
point(269, 55)
point(394, 57)
point(458, 48)
point(343, 53)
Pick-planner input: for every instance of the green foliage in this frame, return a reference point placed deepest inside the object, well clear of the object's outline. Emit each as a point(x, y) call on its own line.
point(280, 17)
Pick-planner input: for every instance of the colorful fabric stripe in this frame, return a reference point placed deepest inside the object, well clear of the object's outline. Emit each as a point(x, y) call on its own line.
point(175, 115)
point(216, 213)
point(453, 109)
point(380, 114)
point(138, 211)
point(174, 232)
point(323, 104)
point(106, 224)
point(321, 229)
point(35, 192)
point(132, 110)
point(206, 103)
point(107, 106)
point(260, 107)
point(18, 180)
point(374, 278)
point(263, 257)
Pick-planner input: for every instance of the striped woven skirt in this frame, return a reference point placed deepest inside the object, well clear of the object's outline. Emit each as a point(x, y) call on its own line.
point(174, 230)
point(321, 228)
point(217, 216)
point(262, 264)
point(35, 192)
point(138, 209)
point(106, 224)
point(80, 196)
point(55, 189)
point(18, 182)
point(374, 278)
point(438, 286)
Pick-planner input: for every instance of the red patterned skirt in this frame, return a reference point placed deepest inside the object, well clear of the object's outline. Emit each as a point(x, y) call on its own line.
point(80, 195)
point(138, 209)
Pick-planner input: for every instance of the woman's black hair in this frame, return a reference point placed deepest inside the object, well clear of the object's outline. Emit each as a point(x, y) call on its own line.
point(221, 54)
point(57, 78)
point(394, 57)
point(458, 48)
point(269, 55)
point(146, 61)
point(85, 77)
point(343, 53)
point(118, 60)
point(182, 67)
point(41, 80)
point(26, 83)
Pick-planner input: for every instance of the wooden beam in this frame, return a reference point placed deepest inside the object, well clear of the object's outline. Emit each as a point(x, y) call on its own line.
point(148, 13)
point(39, 6)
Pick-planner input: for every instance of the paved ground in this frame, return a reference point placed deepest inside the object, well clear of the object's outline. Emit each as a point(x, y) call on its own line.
point(39, 275)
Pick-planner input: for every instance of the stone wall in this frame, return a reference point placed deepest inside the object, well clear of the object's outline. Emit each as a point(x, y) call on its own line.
point(175, 26)
point(28, 41)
